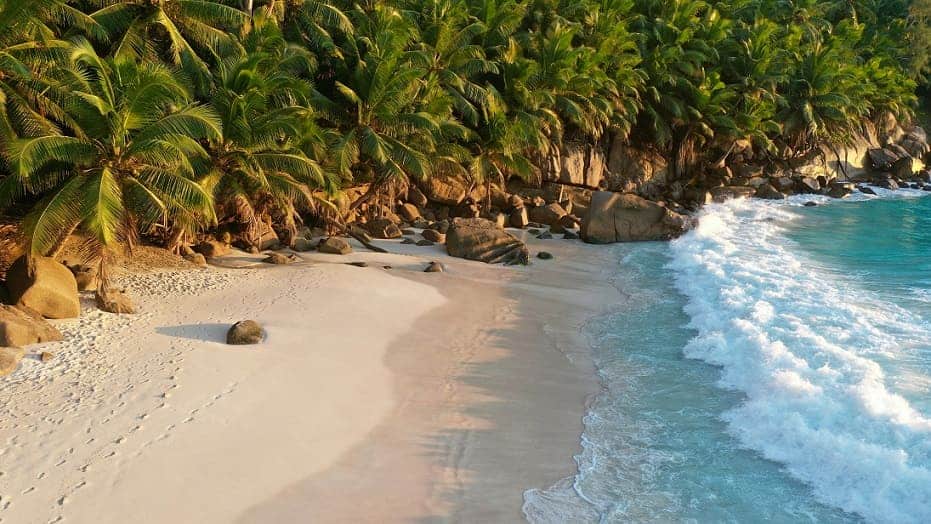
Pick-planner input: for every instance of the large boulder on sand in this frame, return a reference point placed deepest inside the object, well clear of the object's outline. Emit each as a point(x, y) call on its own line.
point(21, 327)
point(623, 217)
point(482, 240)
point(245, 332)
point(48, 287)
point(9, 360)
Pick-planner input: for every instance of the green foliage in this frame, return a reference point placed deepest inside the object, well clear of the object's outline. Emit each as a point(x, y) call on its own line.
point(118, 115)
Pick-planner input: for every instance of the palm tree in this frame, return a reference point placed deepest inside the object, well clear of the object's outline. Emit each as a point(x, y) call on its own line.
point(190, 33)
point(28, 48)
point(128, 166)
point(258, 165)
point(389, 127)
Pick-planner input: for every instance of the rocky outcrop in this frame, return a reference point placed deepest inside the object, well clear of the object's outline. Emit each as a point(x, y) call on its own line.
point(581, 165)
point(245, 332)
point(624, 217)
point(445, 190)
point(635, 170)
point(47, 287)
point(481, 240)
point(21, 327)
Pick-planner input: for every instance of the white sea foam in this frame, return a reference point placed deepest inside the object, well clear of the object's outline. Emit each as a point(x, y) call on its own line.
point(814, 354)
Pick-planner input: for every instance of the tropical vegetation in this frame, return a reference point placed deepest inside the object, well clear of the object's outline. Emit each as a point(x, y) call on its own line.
point(162, 118)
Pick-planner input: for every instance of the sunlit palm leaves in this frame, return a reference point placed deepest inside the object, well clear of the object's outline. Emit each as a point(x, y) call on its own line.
point(133, 166)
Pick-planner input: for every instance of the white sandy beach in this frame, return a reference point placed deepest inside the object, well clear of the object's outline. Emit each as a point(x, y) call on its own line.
point(379, 395)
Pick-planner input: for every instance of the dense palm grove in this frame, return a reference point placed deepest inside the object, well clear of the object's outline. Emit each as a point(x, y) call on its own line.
point(162, 118)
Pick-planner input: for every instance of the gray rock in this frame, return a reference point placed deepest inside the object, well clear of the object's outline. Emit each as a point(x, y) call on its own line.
point(545, 255)
point(425, 243)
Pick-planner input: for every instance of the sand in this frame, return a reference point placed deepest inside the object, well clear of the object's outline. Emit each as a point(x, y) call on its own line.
point(378, 396)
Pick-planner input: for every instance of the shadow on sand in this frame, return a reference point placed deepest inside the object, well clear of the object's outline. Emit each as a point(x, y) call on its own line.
point(208, 332)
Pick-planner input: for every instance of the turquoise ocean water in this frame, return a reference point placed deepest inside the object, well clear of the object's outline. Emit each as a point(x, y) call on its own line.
point(772, 366)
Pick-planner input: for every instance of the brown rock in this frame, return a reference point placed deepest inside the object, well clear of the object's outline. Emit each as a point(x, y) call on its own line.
point(622, 217)
point(547, 215)
point(415, 196)
point(280, 259)
point(409, 212)
point(85, 276)
point(50, 289)
point(445, 190)
point(434, 236)
point(212, 248)
point(46, 356)
point(197, 259)
point(9, 360)
point(434, 267)
point(384, 229)
point(519, 218)
point(114, 301)
point(479, 239)
point(768, 192)
point(22, 327)
point(245, 332)
point(335, 246)
point(515, 202)
point(721, 194)
point(808, 184)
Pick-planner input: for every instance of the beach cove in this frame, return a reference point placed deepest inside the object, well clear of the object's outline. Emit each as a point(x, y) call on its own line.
point(417, 393)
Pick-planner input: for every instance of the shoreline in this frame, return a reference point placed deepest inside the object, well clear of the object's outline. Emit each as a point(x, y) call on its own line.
point(479, 439)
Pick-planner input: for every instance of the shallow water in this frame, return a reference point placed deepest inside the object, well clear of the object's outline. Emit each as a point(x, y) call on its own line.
point(774, 364)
